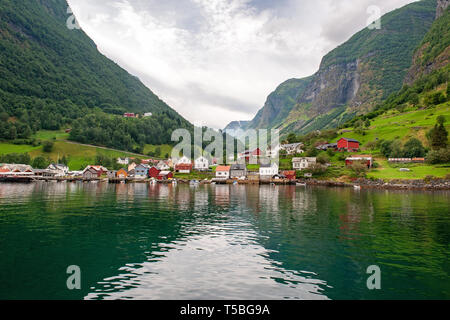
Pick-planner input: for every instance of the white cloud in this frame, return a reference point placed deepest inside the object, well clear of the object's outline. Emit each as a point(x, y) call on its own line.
point(215, 61)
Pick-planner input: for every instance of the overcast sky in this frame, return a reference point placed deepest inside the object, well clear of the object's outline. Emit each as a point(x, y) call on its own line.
point(215, 61)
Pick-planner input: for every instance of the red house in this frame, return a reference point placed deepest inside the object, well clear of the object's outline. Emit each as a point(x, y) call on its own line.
point(153, 172)
point(129, 115)
point(183, 168)
point(350, 145)
point(290, 175)
point(165, 175)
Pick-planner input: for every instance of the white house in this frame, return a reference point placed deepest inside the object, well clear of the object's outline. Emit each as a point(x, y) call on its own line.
point(147, 114)
point(184, 160)
point(162, 166)
point(268, 170)
point(292, 148)
point(124, 161)
point(303, 163)
point(60, 170)
point(223, 172)
point(201, 164)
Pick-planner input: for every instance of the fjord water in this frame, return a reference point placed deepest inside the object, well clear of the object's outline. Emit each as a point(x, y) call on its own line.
point(221, 242)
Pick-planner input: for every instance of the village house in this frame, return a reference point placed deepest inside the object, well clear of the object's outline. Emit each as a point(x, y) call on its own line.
point(90, 173)
point(183, 168)
point(129, 115)
point(223, 172)
point(60, 170)
point(18, 169)
point(250, 155)
point(100, 170)
point(303, 163)
point(111, 174)
point(272, 151)
point(45, 173)
point(147, 114)
point(367, 160)
point(238, 171)
point(131, 166)
point(165, 175)
point(141, 171)
point(267, 171)
point(184, 160)
point(162, 166)
point(326, 146)
point(289, 174)
point(350, 145)
point(201, 164)
point(407, 160)
point(292, 148)
point(122, 174)
point(153, 172)
point(123, 161)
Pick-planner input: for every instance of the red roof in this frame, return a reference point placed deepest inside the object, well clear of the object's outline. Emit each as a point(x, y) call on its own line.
point(223, 168)
point(5, 170)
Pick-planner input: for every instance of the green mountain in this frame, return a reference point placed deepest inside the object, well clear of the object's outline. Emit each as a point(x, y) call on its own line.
point(52, 77)
point(358, 75)
point(425, 96)
point(279, 104)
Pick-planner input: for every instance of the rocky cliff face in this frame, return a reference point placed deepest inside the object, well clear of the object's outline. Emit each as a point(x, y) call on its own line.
point(434, 51)
point(359, 74)
point(442, 5)
point(354, 77)
point(279, 104)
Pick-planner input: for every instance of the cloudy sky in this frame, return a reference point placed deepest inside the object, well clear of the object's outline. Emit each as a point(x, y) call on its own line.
point(215, 61)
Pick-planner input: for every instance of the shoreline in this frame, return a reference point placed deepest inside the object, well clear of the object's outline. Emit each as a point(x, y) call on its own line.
point(360, 183)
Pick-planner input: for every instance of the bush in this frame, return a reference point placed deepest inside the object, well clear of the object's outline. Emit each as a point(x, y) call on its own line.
point(359, 169)
point(413, 148)
point(47, 146)
point(323, 158)
point(439, 156)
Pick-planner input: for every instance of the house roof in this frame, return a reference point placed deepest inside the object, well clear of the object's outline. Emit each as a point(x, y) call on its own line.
point(164, 173)
point(238, 166)
point(350, 140)
point(289, 172)
point(223, 168)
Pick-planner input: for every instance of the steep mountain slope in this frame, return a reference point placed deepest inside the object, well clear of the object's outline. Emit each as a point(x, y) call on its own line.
point(279, 104)
point(53, 74)
point(357, 75)
point(413, 111)
point(365, 70)
point(434, 51)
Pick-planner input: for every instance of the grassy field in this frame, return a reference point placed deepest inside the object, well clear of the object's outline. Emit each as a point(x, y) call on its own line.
point(386, 171)
point(405, 125)
point(165, 149)
point(6, 148)
point(51, 135)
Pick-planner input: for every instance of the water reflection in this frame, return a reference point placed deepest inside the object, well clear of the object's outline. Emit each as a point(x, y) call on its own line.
point(221, 241)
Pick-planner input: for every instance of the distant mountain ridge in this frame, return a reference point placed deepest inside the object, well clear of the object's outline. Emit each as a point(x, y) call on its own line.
point(354, 77)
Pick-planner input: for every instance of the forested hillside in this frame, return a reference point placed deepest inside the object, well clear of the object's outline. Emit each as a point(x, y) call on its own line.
point(50, 76)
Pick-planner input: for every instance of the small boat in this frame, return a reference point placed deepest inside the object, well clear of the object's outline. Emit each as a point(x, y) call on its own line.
point(235, 183)
point(194, 182)
point(357, 187)
point(298, 184)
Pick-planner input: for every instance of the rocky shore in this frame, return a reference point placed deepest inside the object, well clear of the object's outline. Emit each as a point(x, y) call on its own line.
point(432, 184)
